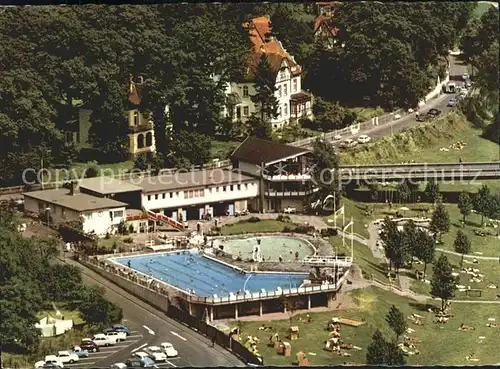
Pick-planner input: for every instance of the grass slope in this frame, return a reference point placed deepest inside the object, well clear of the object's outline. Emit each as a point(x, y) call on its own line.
point(422, 144)
point(441, 344)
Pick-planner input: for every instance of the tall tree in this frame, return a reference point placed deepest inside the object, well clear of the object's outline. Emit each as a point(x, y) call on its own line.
point(376, 352)
point(462, 245)
point(265, 87)
point(481, 201)
point(394, 355)
point(410, 240)
point(397, 321)
point(325, 172)
point(403, 192)
point(465, 205)
point(443, 283)
point(426, 248)
point(432, 190)
point(440, 221)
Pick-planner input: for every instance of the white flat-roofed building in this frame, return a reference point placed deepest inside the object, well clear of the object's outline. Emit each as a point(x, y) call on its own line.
point(192, 195)
point(98, 215)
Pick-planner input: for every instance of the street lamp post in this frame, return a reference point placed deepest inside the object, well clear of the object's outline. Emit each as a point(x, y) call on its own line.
point(47, 214)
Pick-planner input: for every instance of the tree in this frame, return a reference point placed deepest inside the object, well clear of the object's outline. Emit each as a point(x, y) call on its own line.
point(394, 355)
point(403, 192)
point(481, 202)
point(410, 240)
point(376, 352)
point(443, 284)
point(494, 209)
point(426, 248)
point(397, 321)
point(432, 190)
point(265, 87)
point(373, 188)
point(258, 127)
point(141, 163)
point(462, 245)
point(95, 309)
point(325, 172)
point(189, 148)
point(465, 205)
point(390, 236)
point(440, 221)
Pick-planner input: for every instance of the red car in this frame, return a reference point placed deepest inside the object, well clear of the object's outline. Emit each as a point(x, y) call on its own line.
point(89, 345)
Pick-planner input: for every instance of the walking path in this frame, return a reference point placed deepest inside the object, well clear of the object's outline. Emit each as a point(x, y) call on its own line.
point(467, 256)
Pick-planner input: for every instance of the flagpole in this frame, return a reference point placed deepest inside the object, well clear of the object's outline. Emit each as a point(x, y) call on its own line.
point(352, 239)
point(335, 213)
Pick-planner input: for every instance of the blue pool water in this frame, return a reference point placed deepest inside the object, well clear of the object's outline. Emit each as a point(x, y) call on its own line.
point(207, 277)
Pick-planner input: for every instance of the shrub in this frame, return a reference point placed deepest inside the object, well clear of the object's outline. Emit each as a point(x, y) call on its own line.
point(128, 240)
point(283, 218)
point(329, 232)
point(253, 220)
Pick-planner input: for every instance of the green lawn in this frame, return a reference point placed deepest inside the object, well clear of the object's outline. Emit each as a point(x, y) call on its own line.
point(77, 169)
point(481, 8)
point(242, 227)
point(221, 149)
point(423, 143)
point(490, 269)
point(441, 344)
point(363, 114)
point(108, 243)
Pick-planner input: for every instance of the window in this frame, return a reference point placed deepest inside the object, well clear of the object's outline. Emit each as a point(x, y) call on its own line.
point(279, 91)
point(217, 189)
point(224, 188)
point(177, 194)
point(285, 109)
point(171, 194)
point(282, 74)
point(238, 187)
point(149, 197)
point(245, 111)
point(231, 188)
point(136, 118)
point(156, 197)
point(164, 195)
point(285, 90)
point(246, 186)
point(63, 213)
point(111, 215)
point(238, 112)
point(279, 112)
point(245, 91)
point(118, 214)
point(295, 85)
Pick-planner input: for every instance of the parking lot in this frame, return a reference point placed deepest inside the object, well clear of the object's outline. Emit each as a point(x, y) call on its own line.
point(105, 352)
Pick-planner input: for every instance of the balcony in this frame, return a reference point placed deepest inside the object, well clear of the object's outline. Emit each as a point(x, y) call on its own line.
point(287, 177)
point(293, 193)
point(148, 126)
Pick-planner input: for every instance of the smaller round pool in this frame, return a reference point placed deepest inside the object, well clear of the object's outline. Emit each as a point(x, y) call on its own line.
point(271, 247)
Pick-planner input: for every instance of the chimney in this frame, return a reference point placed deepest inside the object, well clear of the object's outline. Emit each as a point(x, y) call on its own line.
point(72, 186)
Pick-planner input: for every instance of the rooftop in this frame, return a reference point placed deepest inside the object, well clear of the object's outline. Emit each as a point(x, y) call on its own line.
point(107, 185)
point(257, 151)
point(183, 180)
point(79, 201)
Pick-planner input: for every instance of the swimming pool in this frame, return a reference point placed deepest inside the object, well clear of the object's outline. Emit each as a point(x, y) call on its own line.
point(191, 271)
point(271, 247)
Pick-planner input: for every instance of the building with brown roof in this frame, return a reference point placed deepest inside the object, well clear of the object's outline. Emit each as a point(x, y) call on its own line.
point(283, 170)
point(325, 31)
point(293, 102)
point(141, 134)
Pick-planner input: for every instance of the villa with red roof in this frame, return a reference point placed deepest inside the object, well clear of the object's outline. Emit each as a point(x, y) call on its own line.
point(293, 102)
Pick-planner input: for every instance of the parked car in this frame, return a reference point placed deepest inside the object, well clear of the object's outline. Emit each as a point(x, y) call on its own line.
point(452, 103)
point(66, 357)
point(89, 345)
point(135, 362)
point(464, 92)
point(169, 349)
point(465, 76)
point(50, 360)
point(116, 336)
point(468, 83)
point(337, 137)
point(156, 353)
point(77, 350)
point(102, 340)
point(364, 139)
point(118, 366)
point(146, 361)
point(290, 210)
point(348, 143)
point(434, 112)
point(120, 328)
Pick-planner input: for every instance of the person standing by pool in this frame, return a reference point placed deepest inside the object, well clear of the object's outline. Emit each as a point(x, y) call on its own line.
point(280, 259)
point(128, 264)
point(296, 256)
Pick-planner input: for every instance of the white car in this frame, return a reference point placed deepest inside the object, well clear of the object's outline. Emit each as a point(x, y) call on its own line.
point(49, 359)
point(117, 336)
point(156, 353)
point(337, 137)
point(119, 366)
point(364, 139)
point(141, 355)
point(169, 349)
point(289, 210)
point(66, 357)
point(465, 76)
point(103, 340)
